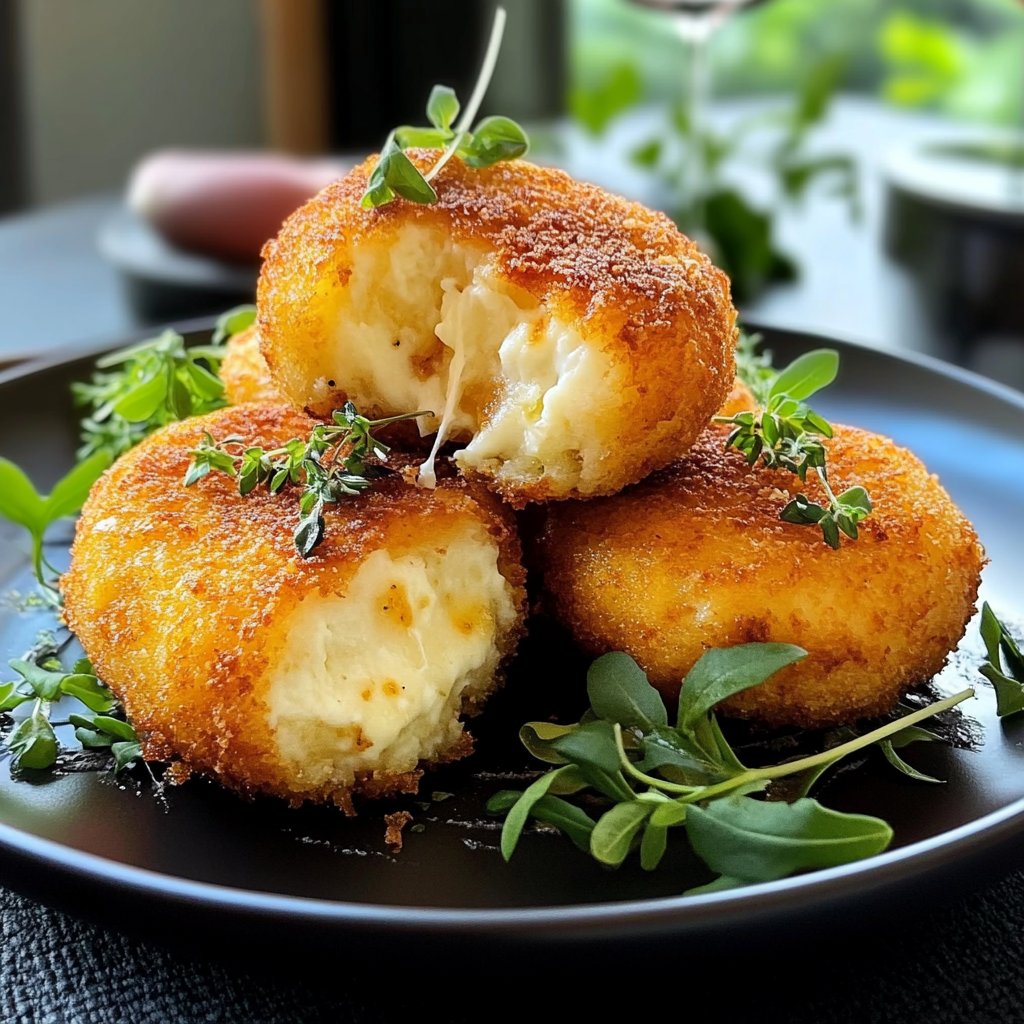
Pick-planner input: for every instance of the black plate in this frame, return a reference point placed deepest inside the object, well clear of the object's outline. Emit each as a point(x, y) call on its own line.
point(260, 871)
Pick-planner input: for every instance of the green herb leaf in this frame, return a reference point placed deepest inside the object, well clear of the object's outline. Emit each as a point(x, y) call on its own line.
point(1009, 691)
point(11, 697)
point(619, 692)
point(537, 736)
point(760, 841)
point(679, 758)
point(90, 691)
point(494, 139)
point(669, 813)
point(442, 107)
point(233, 322)
point(125, 753)
point(503, 801)
point(19, 500)
point(725, 671)
point(45, 684)
point(592, 744)
point(520, 812)
point(405, 179)
point(421, 138)
point(898, 763)
point(69, 493)
point(143, 400)
point(115, 727)
point(653, 846)
point(33, 743)
point(616, 829)
point(807, 374)
point(574, 822)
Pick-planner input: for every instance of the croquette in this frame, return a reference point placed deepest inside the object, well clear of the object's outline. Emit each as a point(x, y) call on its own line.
point(569, 340)
point(245, 373)
point(696, 557)
point(310, 679)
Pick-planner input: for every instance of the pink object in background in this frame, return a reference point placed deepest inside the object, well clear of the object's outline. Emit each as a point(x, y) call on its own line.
point(226, 204)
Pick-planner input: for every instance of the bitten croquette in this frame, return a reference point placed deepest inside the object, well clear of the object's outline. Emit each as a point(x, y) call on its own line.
point(569, 340)
point(696, 557)
point(310, 679)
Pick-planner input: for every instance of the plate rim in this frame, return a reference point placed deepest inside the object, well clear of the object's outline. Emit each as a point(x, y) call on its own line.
point(599, 919)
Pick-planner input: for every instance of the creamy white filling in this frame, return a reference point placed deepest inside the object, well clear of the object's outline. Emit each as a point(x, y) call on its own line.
point(430, 324)
point(554, 387)
point(375, 678)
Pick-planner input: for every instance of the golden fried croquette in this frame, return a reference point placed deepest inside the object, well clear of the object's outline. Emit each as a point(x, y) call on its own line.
point(740, 399)
point(572, 340)
point(245, 373)
point(305, 678)
point(696, 557)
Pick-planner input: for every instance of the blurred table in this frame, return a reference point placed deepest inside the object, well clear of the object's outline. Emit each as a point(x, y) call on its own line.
point(963, 962)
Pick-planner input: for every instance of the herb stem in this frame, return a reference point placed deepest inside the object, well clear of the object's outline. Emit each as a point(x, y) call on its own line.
point(836, 753)
point(668, 787)
point(479, 90)
point(693, 794)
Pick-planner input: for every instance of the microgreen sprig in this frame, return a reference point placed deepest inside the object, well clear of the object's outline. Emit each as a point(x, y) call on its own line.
point(23, 505)
point(1004, 665)
point(329, 465)
point(32, 741)
point(785, 433)
point(155, 382)
point(658, 776)
point(494, 139)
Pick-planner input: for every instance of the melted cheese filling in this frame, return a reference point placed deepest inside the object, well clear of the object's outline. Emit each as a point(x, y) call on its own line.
point(375, 679)
point(430, 324)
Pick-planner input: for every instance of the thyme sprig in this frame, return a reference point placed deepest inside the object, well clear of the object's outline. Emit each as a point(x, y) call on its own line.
point(494, 139)
point(784, 432)
point(654, 776)
point(329, 465)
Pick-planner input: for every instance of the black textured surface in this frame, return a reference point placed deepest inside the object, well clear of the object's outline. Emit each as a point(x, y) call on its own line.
point(964, 962)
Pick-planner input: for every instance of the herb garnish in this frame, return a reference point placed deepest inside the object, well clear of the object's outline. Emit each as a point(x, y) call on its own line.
point(159, 381)
point(494, 139)
point(785, 433)
point(659, 776)
point(156, 382)
point(1005, 673)
point(32, 742)
point(329, 465)
point(22, 504)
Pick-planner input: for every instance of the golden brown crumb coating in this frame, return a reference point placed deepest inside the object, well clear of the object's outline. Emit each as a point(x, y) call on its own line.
point(245, 373)
point(578, 339)
point(305, 678)
point(696, 557)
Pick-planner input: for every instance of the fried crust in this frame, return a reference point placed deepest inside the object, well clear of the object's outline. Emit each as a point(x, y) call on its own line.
point(696, 557)
point(175, 593)
point(621, 274)
point(245, 373)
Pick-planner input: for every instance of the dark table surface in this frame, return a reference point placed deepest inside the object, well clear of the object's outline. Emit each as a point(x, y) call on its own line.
point(957, 962)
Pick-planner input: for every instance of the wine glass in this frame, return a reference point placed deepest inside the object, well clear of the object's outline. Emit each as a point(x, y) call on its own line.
point(695, 22)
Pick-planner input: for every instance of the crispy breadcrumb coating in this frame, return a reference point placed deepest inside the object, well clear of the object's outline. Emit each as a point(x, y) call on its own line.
point(571, 340)
point(305, 678)
point(245, 373)
point(696, 557)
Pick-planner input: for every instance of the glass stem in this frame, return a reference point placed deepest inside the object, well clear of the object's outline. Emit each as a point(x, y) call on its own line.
point(697, 111)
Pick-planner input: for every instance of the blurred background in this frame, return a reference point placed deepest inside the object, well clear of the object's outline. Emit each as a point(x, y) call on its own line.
point(857, 165)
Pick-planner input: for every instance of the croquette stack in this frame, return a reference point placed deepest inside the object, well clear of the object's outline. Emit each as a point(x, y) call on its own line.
point(567, 348)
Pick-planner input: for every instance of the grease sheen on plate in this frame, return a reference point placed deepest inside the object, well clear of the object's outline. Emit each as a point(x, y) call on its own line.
point(265, 854)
